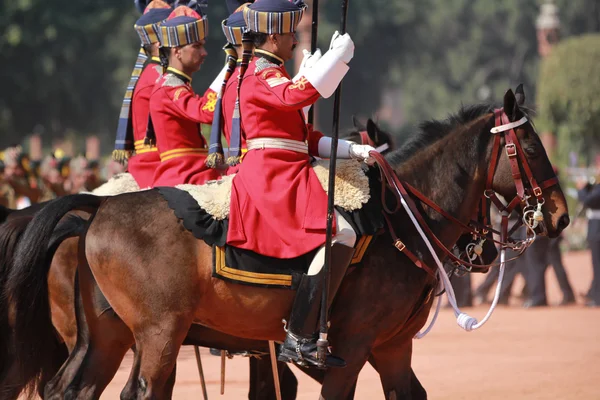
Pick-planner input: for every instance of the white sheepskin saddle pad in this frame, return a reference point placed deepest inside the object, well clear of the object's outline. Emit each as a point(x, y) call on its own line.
point(118, 184)
point(351, 188)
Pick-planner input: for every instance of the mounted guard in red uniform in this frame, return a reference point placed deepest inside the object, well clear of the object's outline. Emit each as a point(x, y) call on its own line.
point(142, 160)
point(176, 112)
point(278, 207)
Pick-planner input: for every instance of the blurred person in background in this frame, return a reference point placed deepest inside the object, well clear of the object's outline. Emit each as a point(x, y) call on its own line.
point(94, 180)
point(81, 177)
point(543, 252)
point(53, 172)
point(7, 193)
point(16, 174)
point(589, 196)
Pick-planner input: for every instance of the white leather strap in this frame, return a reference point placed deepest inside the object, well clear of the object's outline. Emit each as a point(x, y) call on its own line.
point(509, 126)
point(592, 214)
point(382, 148)
point(275, 143)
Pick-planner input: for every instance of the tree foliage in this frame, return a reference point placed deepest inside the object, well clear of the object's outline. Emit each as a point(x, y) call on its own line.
point(67, 63)
point(60, 64)
point(568, 99)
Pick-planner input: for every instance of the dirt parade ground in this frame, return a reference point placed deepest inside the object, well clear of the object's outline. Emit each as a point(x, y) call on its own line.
point(542, 353)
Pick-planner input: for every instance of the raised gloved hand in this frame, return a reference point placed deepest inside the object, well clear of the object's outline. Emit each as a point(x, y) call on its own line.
point(343, 46)
point(361, 152)
point(309, 60)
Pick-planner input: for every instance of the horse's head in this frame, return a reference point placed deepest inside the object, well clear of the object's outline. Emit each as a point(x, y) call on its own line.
point(520, 170)
point(370, 134)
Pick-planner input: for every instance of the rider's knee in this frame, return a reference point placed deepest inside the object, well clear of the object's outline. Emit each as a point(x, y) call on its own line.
point(345, 233)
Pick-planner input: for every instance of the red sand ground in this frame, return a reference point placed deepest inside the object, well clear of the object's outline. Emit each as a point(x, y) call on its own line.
point(549, 353)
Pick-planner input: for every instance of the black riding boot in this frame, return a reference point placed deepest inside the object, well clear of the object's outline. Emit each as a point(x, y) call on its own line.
point(300, 345)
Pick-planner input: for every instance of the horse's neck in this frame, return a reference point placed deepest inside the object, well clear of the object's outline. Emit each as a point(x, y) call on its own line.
point(451, 173)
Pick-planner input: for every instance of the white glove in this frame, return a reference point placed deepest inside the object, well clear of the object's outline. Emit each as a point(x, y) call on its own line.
point(215, 86)
point(343, 46)
point(361, 152)
point(327, 73)
point(308, 61)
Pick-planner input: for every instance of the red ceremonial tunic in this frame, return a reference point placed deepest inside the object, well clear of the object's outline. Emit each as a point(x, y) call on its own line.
point(144, 162)
point(278, 207)
point(176, 113)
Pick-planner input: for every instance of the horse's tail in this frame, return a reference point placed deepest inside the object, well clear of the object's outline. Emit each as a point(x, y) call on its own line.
point(15, 374)
point(27, 285)
point(10, 232)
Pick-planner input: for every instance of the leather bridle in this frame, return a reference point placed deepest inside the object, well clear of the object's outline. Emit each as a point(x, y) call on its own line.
point(366, 139)
point(503, 128)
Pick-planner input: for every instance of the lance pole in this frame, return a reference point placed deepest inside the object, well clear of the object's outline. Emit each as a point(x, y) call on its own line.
point(314, 30)
point(323, 342)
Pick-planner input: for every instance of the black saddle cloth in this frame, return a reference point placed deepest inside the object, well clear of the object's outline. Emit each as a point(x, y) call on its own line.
point(247, 267)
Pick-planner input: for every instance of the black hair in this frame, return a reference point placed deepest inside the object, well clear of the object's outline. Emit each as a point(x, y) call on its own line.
point(163, 54)
point(148, 49)
point(258, 39)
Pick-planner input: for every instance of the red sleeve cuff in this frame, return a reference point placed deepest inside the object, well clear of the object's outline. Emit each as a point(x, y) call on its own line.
point(313, 141)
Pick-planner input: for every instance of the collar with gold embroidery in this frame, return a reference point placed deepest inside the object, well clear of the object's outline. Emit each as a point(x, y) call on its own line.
point(154, 60)
point(182, 75)
point(268, 56)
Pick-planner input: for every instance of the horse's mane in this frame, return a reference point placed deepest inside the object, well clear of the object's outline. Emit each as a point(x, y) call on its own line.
point(434, 130)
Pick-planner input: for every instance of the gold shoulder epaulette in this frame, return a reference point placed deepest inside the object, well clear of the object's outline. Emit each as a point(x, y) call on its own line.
point(173, 80)
point(262, 64)
point(159, 69)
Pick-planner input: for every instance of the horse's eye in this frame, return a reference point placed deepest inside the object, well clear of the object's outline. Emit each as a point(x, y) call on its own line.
point(531, 150)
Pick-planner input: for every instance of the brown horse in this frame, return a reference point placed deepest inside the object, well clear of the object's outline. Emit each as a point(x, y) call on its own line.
point(159, 293)
point(112, 333)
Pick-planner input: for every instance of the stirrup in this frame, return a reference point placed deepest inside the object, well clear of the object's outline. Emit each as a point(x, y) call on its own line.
point(291, 351)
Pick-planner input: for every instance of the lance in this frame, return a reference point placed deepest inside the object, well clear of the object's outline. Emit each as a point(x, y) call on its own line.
point(323, 343)
point(314, 30)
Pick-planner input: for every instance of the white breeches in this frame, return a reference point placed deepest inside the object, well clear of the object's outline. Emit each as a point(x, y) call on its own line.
point(344, 235)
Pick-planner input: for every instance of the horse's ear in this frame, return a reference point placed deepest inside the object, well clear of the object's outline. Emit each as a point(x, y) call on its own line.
point(520, 95)
point(510, 105)
point(357, 124)
point(373, 130)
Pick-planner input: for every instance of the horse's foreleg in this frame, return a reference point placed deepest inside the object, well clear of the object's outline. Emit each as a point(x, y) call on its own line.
point(262, 386)
point(416, 389)
point(392, 361)
point(340, 383)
